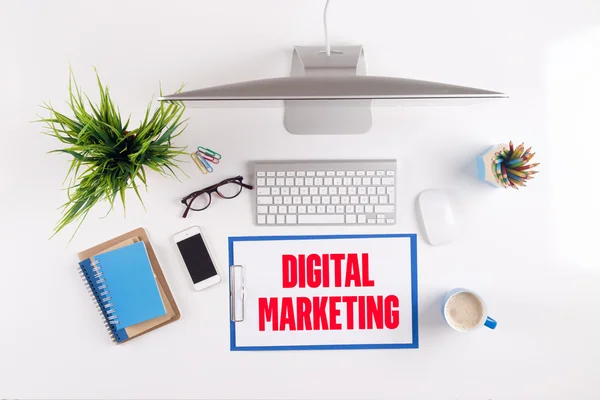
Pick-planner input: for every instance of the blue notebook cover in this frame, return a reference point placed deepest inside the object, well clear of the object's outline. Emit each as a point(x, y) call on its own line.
point(125, 287)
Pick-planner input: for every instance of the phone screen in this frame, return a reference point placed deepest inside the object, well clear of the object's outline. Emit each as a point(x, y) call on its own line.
point(196, 258)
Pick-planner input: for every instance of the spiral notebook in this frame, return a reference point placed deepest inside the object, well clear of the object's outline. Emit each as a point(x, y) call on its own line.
point(172, 312)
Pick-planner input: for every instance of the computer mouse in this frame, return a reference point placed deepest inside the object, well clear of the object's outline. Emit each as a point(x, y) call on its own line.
point(437, 217)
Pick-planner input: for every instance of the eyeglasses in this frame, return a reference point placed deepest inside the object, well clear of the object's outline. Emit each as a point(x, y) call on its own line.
point(227, 189)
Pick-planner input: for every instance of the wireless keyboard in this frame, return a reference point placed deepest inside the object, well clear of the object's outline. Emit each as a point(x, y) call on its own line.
point(325, 192)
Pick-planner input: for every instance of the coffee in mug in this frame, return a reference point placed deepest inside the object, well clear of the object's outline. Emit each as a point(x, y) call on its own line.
point(465, 311)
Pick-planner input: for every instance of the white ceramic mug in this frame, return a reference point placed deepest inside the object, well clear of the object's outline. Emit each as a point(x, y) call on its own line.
point(484, 319)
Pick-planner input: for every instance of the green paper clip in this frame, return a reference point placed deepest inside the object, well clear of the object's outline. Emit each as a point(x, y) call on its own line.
point(209, 152)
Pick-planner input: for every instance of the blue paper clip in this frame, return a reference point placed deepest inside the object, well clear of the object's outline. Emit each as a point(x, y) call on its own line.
point(206, 164)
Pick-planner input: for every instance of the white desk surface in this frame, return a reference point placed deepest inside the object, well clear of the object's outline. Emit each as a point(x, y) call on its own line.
point(531, 254)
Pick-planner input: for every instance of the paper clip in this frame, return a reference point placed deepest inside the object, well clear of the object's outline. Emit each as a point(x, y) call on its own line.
point(206, 164)
point(199, 163)
point(208, 157)
point(209, 152)
point(237, 293)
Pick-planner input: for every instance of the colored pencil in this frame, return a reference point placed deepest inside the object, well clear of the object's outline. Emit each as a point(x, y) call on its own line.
point(510, 145)
point(516, 173)
point(526, 167)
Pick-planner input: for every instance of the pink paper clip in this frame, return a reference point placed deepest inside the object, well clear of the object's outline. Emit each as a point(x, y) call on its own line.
point(208, 157)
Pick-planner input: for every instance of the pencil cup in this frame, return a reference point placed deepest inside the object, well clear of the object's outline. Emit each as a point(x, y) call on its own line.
point(485, 165)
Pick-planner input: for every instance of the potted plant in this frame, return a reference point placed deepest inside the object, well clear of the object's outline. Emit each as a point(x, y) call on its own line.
point(109, 156)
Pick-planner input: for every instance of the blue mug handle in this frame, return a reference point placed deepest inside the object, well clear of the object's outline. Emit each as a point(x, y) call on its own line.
point(490, 323)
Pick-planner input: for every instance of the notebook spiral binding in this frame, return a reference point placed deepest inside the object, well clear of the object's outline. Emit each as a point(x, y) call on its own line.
point(101, 298)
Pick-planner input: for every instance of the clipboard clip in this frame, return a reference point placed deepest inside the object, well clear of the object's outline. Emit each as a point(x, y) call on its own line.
point(237, 293)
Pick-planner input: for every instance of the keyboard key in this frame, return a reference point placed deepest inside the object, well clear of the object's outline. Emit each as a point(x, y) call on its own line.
point(342, 190)
point(296, 200)
point(270, 219)
point(371, 190)
point(350, 173)
point(291, 173)
point(281, 219)
point(275, 191)
point(370, 221)
point(278, 200)
point(326, 200)
point(311, 209)
point(285, 191)
point(318, 181)
point(280, 181)
point(280, 173)
point(337, 181)
point(287, 200)
point(289, 181)
point(380, 221)
point(314, 190)
point(261, 173)
point(322, 190)
point(387, 181)
point(333, 190)
point(294, 191)
point(364, 199)
point(270, 181)
point(362, 190)
point(373, 199)
point(271, 173)
point(262, 219)
point(320, 173)
point(282, 209)
point(350, 219)
point(260, 182)
point(391, 198)
point(366, 181)
point(301, 209)
point(347, 181)
point(321, 209)
point(306, 200)
point(356, 181)
point(303, 190)
point(369, 209)
point(350, 209)
point(330, 173)
point(309, 181)
point(263, 191)
point(390, 220)
point(316, 200)
point(299, 182)
point(292, 209)
point(390, 173)
point(264, 200)
point(379, 216)
point(370, 173)
point(360, 209)
point(335, 200)
point(352, 190)
point(300, 173)
point(339, 209)
point(328, 181)
point(321, 219)
point(380, 173)
point(310, 173)
point(272, 209)
point(380, 190)
point(384, 209)
point(261, 209)
point(339, 173)
point(362, 219)
point(360, 173)
point(345, 200)
point(376, 181)
point(353, 199)
point(290, 219)
point(383, 199)
point(330, 209)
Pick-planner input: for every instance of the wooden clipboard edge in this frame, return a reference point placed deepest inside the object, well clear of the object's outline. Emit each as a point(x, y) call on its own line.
point(154, 262)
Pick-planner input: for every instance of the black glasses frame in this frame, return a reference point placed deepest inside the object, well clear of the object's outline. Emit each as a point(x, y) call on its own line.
point(189, 199)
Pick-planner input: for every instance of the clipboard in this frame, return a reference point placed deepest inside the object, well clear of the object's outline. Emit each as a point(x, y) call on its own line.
point(257, 277)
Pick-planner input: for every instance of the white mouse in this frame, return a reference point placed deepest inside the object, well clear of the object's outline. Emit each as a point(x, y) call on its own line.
point(437, 217)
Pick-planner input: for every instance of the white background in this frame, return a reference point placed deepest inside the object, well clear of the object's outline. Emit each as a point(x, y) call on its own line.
point(389, 269)
point(532, 255)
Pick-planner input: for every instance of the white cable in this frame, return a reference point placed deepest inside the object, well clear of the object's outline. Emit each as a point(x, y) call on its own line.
point(327, 46)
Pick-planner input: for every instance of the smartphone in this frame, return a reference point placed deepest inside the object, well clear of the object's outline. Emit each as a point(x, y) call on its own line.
point(196, 258)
